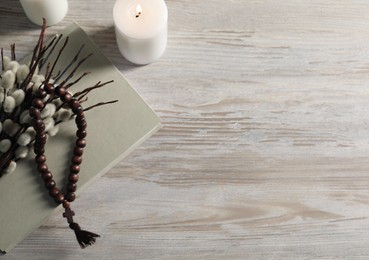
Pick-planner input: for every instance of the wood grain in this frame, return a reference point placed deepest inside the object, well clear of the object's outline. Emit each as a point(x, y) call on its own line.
point(264, 152)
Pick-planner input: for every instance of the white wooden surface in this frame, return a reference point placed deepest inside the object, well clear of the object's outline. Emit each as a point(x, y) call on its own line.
point(264, 152)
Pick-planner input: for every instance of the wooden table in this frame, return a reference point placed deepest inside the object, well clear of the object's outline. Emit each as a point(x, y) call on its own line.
point(264, 152)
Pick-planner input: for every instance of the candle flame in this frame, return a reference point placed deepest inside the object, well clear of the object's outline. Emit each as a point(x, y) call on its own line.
point(138, 10)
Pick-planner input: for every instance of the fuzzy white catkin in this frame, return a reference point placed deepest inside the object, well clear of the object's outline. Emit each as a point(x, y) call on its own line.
point(36, 87)
point(11, 168)
point(38, 78)
point(21, 152)
point(9, 104)
point(18, 96)
point(64, 114)
point(30, 85)
point(31, 132)
point(57, 102)
point(7, 124)
point(8, 79)
point(10, 127)
point(49, 123)
point(24, 139)
point(48, 110)
point(2, 95)
point(5, 145)
point(53, 131)
point(6, 61)
point(22, 73)
point(13, 66)
point(24, 117)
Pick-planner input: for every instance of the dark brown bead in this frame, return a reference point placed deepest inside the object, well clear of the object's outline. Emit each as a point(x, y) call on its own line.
point(41, 137)
point(40, 159)
point(50, 184)
point(39, 151)
point(40, 127)
point(47, 176)
point(66, 98)
point(74, 168)
point(78, 151)
point(81, 143)
point(77, 160)
point(74, 104)
point(38, 145)
point(73, 178)
point(36, 121)
point(78, 109)
point(66, 204)
point(42, 167)
point(81, 133)
point(41, 143)
point(60, 91)
point(49, 88)
point(71, 196)
point(82, 125)
point(59, 198)
point(37, 103)
point(54, 192)
point(41, 94)
point(80, 112)
point(34, 112)
point(71, 187)
point(80, 120)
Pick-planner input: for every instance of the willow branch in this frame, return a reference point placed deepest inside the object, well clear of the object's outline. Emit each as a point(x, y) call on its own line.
point(75, 69)
point(56, 60)
point(100, 104)
point(74, 60)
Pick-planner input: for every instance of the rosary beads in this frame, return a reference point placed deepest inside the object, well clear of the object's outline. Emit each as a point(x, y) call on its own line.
point(84, 238)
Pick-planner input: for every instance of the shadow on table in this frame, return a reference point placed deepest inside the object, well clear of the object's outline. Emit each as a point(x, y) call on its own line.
point(105, 39)
point(13, 18)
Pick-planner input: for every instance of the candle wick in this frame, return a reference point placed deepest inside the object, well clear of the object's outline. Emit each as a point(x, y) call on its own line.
point(138, 11)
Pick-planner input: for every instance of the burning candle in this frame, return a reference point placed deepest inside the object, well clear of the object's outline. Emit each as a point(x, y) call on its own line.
point(141, 29)
point(52, 10)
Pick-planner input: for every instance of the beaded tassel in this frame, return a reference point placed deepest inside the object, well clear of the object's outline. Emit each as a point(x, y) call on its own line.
point(84, 238)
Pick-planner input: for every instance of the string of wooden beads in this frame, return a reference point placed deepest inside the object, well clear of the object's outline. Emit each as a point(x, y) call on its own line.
point(66, 198)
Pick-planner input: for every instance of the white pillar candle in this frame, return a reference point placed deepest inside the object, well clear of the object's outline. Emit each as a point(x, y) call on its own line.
point(141, 29)
point(52, 10)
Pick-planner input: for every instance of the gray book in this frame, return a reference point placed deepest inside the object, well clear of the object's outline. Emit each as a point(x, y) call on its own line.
point(113, 132)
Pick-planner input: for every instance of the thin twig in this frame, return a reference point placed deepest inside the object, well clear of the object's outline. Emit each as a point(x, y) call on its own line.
point(77, 80)
point(56, 79)
point(75, 69)
point(35, 59)
point(2, 60)
point(100, 104)
point(56, 61)
point(13, 51)
point(36, 50)
point(86, 91)
point(43, 61)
